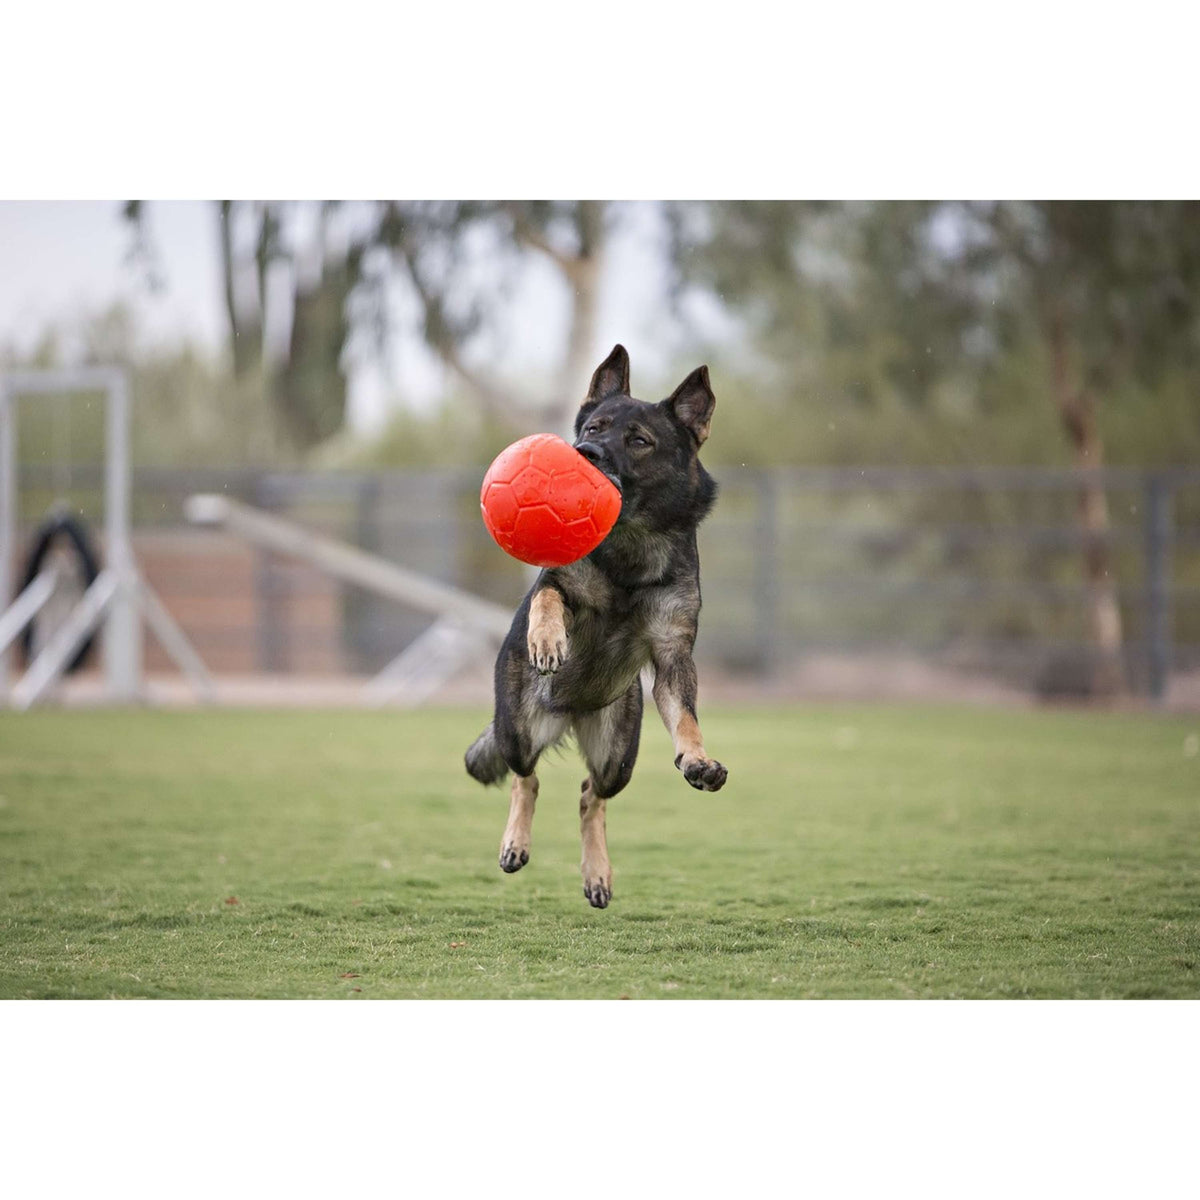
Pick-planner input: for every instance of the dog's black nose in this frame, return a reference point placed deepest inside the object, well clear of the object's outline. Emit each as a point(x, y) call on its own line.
point(599, 459)
point(592, 453)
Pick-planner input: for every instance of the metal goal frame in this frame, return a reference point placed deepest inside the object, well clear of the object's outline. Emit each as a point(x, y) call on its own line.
point(118, 596)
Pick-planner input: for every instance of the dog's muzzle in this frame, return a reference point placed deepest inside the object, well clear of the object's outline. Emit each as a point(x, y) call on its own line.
point(600, 460)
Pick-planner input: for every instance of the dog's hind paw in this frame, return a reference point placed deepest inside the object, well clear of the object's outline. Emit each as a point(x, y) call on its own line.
point(704, 774)
point(598, 892)
point(512, 858)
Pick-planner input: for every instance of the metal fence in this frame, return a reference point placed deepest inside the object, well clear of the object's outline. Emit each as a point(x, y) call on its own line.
point(980, 569)
point(976, 569)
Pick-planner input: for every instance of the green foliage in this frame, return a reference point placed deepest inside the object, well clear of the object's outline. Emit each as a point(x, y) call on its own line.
point(453, 434)
point(927, 332)
point(856, 852)
point(914, 332)
point(454, 261)
point(189, 411)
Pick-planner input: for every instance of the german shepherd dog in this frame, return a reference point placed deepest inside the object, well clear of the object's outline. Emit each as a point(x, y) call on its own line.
point(580, 639)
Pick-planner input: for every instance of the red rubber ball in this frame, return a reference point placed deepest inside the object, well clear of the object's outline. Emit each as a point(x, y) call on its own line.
point(545, 504)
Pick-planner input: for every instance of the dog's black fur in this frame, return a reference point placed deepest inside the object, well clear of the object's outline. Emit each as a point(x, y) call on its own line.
point(582, 636)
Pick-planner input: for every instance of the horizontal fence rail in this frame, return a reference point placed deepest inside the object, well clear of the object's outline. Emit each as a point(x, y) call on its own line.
point(980, 569)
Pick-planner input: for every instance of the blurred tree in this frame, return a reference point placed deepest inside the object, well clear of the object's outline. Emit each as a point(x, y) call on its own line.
point(901, 303)
point(285, 290)
point(295, 292)
point(439, 245)
point(844, 298)
point(927, 305)
point(189, 412)
point(286, 295)
point(1110, 289)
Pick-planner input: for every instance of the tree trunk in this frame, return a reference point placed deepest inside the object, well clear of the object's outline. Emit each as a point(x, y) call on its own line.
point(245, 335)
point(1077, 410)
point(583, 274)
point(309, 391)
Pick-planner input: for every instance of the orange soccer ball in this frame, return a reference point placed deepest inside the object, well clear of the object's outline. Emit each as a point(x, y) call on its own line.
point(545, 504)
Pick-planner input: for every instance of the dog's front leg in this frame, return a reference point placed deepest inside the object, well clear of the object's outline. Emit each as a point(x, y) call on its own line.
point(547, 632)
point(675, 694)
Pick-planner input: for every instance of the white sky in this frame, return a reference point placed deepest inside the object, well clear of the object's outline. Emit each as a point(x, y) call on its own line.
point(65, 258)
point(61, 260)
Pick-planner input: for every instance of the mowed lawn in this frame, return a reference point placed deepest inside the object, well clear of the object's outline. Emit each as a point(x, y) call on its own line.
point(867, 851)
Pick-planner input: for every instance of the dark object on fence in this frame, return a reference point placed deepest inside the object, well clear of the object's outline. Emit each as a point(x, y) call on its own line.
point(74, 534)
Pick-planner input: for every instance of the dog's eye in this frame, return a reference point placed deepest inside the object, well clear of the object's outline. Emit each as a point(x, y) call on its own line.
point(636, 439)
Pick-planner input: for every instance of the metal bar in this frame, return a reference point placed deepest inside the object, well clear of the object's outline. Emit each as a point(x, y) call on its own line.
point(1158, 585)
point(8, 511)
point(425, 664)
point(123, 634)
point(49, 665)
point(26, 606)
point(348, 563)
point(174, 642)
point(873, 589)
point(269, 585)
point(1065, 537)
point(766, 570)
point(361, 612)
point(340, 484)
point(345, 484)
point(74, 379)
point(926, 479)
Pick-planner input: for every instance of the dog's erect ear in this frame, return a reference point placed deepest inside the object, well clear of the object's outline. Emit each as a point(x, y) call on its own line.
point(693, 403)
point(611, 377)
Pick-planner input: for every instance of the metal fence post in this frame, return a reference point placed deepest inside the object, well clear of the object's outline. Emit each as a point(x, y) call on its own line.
point(364, 618)
point(1158, 539)
point(123, 631)
point(366, 513)
point(272, 636)
point(8, 513)
point(767, 570)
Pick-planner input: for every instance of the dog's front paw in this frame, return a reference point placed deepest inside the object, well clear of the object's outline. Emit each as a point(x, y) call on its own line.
point(547, 652)
point(705, 774)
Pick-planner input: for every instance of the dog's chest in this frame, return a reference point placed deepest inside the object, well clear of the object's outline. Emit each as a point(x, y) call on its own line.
point(608, 649)
point(612, 630)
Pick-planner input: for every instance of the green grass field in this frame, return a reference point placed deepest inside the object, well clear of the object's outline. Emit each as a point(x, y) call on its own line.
point(874, 852)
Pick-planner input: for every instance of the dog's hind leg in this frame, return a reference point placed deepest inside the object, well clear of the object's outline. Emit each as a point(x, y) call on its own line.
point(596, 869)
point(521, 750)
point(514, 845)
point(609, 741)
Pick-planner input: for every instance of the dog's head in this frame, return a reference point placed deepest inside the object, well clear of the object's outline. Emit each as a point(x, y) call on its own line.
point(650, 451)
